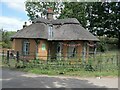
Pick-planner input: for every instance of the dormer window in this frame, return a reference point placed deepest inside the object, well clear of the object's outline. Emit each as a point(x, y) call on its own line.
point(50, 31)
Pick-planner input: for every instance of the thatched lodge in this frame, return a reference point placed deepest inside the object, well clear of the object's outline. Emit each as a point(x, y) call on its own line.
point(49, 38)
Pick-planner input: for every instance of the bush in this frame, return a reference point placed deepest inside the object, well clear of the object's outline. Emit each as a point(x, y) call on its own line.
point(106, 43)
point(6, 45)
point(89, 67)
point(102, 46)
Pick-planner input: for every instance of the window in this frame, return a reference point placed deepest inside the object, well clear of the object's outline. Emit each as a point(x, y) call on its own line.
point(72, 50)
point(50, 31)
point(26, 46)
point(91, 47)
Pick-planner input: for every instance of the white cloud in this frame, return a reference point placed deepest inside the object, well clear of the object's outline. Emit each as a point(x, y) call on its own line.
point(15, 4)
point(11, 24)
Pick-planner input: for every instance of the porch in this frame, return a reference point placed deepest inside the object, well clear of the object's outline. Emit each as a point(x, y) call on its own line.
point(70, 50)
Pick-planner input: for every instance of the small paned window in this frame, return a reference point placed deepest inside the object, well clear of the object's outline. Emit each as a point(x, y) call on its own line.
point(26, 47)
point(72, 50)
point(50, 31)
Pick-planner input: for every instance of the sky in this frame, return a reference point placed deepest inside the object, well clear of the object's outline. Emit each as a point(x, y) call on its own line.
point(12, 14)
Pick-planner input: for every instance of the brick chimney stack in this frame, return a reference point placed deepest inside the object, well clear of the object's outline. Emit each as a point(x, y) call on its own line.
point(49, 13)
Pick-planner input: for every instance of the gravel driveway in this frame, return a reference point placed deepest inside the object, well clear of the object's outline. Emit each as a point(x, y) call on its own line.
point(17, 79)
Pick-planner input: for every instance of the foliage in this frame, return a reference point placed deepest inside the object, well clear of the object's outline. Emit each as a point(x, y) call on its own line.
point(39, 9)
point(100, 18)
point(106, 43)
point(104, 19)
point(102, 45)
point(105, 64)
point(74, 10)
point(6, 43)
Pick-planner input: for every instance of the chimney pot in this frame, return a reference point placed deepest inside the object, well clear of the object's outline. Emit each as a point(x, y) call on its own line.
point(25, 25)
point(50, 10)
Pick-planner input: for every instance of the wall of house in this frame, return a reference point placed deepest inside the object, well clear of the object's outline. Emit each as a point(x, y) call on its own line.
point(64, 50)
point(32, 50)
point(17, 44)
point(43, 52)
point(79, 49)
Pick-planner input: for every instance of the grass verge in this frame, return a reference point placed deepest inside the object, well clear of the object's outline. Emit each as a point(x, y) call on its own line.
point(78, 73)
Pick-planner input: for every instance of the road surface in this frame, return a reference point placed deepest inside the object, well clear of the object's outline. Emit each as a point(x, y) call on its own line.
point(17, 79)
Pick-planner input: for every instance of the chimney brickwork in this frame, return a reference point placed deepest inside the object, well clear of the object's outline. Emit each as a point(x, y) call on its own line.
point(49, 13)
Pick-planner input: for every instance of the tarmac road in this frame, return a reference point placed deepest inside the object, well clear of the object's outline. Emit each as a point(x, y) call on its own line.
point(17, 79)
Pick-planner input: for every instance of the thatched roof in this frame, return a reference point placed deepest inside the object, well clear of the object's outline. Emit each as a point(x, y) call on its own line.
point(63, 29)
point(72, 32)
point(57, 22)
point(36, 30)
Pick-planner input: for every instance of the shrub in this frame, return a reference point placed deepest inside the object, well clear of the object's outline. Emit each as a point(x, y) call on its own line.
point(107, 43)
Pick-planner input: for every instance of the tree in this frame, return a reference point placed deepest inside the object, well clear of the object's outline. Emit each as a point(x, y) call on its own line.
point(35, 9)
point(98, 17)
point(74, 10)
point(6, 43)
point(115, 20)
point(104, 19)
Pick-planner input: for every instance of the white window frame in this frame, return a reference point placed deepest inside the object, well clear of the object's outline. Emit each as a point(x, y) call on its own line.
point(50, 31)
point(26, 47)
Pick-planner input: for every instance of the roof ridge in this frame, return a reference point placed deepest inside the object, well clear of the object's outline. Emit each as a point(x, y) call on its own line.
point(56, 21)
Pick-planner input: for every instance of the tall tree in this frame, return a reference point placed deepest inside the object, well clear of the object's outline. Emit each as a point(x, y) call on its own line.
point(104, 19)
point(35, 9)
point(75, 10)
point(115, 20)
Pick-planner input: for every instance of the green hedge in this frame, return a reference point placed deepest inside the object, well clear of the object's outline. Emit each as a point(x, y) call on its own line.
point(107, 43)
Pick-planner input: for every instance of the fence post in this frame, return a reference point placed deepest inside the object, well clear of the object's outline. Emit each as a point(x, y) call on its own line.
point(3, 56)
point(17, 56)
point(117, 56)
point(100, 63)
point(8, 57)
